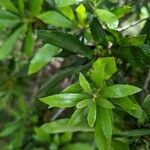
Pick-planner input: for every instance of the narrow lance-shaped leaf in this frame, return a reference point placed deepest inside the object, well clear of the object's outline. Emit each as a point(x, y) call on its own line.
point(119, 90)
point(105, 103)
point(65, 41)
point(52, 17)
point(9, 43)
point(42, 57)
point(146, 104)
point(35, 7)
point(21, 6)
point(83, 103)
point(84, 84)
point(76, 117)
point(92, 114)
point(63, 100)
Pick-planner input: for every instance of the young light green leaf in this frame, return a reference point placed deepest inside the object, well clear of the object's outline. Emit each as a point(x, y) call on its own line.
point(42, 57)
point(83, 103)
point(120, 90)
point(52, 17)
point(76, 117)
point(104, 68)
point(92, 114)
point(74, 88)
point(81, 14)
point(109, 18)
point(60, 126)
point(65, 41)
point(63, 100)
point(105, 103)
point(84, 84)
point(21, 6)
point(8, 45)
point(64, 3)
point(106, 123)
point(28, 44)
point(35, 7)
point(100, 138)
point(146, 104)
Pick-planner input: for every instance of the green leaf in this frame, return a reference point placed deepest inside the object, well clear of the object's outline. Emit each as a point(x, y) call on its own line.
point(65, 41)
point(35, 7)
point(52, 17)
point(121, 11)
point(77, 146)
point(105, 103)
point(68, 12)
point(120, 144)
point(8, 5)
point(64, 3)
point(146, 104)
point(81, 14)
point(109, 18)
point(21, 6)
point(76, 117)
point(104, 68)
point(83, 103)
point(42, 57)
point(100, 138)
point(135, 40)
point(120, 90)
point(8, 19)
point(106, 122)
point(29, 41)
point(74, 88)
point(60, 126)
point(91, 117)
point(63, 100)
point(98, 33)
point(8, 44)
point(84, 84)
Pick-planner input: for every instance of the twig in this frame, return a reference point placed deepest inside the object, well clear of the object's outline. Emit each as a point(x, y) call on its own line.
point(132, 25)
point(147, 82)
point(57, 114)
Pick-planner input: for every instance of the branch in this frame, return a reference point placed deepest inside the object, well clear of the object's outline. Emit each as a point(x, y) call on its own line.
point(147, 81)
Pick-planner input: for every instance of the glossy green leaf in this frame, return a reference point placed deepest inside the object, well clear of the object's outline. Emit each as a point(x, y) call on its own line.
point(29, 42)
point(98, 33)
point(60, 126)
point(106, 123)
point(100, 138)
point(105, 103)
point(74, 88)
point(35, 7)
point(121, 11)
point(83, 103)
point(63, 100)
point(103, 69)
point(84, 84)
point(64, 3)
point(8, 44)
point(107, 17)
point(68, 12)
point(92, 114)
point(65, 41)
point(146, 104)
point(42, 57)
point(52, 17)
point(120, 90)
point(8, 5)
point(76, 117)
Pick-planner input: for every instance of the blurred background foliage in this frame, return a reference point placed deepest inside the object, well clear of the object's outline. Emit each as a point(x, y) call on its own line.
point(127, 26)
